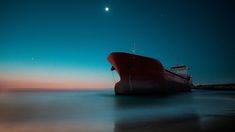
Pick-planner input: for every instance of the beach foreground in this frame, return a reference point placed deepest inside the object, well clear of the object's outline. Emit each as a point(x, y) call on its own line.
point(92, 111)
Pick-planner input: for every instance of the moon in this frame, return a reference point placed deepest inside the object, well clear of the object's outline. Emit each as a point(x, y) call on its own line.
point(106, 8)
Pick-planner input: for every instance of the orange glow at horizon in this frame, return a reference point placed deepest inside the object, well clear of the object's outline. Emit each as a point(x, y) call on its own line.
point(29, 84)
point(48, 77)
point(61, 82)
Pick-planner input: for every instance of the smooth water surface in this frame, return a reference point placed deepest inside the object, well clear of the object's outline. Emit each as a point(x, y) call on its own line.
point(102, 111)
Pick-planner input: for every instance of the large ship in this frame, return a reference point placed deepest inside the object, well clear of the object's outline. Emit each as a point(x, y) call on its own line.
point(144, 75)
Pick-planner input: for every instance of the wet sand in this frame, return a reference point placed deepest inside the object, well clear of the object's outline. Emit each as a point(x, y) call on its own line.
point(91, 111)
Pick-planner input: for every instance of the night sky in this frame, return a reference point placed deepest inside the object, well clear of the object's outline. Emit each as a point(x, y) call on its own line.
point(65, 43)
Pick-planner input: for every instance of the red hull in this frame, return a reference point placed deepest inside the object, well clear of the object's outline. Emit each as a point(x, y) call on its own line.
point(143, 75)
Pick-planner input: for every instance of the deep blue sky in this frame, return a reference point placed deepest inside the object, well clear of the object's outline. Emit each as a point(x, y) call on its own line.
point(79, 34)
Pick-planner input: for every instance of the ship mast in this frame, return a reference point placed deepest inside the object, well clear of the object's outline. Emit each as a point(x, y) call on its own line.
point(133, 48)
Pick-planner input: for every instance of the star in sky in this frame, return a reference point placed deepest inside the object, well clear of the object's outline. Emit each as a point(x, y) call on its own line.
point(106, 8)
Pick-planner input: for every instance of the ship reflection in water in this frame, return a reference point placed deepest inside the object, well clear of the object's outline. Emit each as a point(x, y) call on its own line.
point(199, 110)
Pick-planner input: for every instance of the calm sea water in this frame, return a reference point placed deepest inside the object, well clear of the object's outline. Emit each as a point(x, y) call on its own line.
point(199, 110)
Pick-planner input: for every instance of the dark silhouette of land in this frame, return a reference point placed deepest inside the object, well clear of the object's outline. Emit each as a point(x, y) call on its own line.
point(229, 86)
